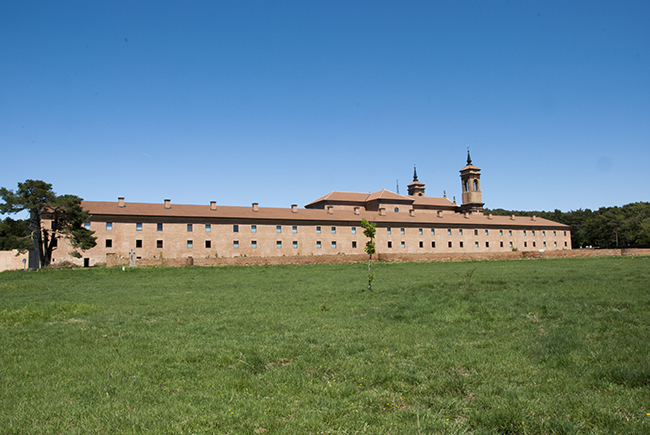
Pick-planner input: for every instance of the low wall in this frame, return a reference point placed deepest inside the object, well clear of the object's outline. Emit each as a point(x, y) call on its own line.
point(12, 260)
point(118, 260)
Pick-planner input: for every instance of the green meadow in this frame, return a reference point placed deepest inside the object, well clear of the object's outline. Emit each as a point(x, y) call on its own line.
point(503, 347)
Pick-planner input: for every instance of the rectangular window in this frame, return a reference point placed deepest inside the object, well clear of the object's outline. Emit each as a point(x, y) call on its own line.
point(354, 230)
point(159, 244)
point(433, 231)
point(534, 244)
point(500, 244)
point(388, 230)
point(460, 244)
point(390, 244)
point(510, 232)
point(487, 233)
point(555, 244)
point(476, 244)
point(318, 244)
point(317, 230)
point(235, 244)
point(524, 232)
point(138, 227)
point(354, 245)
point(87, 225)
point(294, 244)
point(525, 244)
point(109, 243)
point(487, 244)
point(545, 244)
point(460, 232)
point(235, 228)
point(565, 236)
point(543, 233)
point(278, 228)
point(511, 244)
point(158, 227)
point(190, 228)
point(449, 232)
point(138, 243)
point(254, 244)
point(109, 226)
point(334, 245)
point(500, 232)
point(533, 232)
point(253, 228)
point(278, 244)
point(565, 244)
point(421, 244)
point(208, 228)
point(403, 244)
point(420, 231)
point(190, 244)
point(433, 244)
point(554, 233)
point(208, 244)
point(449, 244)
point(401, 231)
point(333, 230)
point(476, 232)
point(294, 229)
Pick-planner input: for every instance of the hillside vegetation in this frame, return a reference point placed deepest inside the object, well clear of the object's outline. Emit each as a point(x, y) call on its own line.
point(504, 347)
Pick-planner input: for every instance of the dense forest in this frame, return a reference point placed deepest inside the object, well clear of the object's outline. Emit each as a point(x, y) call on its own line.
point(606, 227)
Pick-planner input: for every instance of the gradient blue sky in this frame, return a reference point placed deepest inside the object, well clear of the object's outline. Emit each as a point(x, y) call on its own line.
point(281, 102)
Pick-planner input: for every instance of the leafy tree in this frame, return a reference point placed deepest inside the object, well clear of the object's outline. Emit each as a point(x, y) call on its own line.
point(14, 234)
point(369, 230)
point(65, 212)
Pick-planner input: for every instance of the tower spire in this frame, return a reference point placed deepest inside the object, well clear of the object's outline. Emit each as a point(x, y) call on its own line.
point(415, 173)
point(469, 159)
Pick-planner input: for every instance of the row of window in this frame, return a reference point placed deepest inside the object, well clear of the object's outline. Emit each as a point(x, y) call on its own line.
point(294, 229)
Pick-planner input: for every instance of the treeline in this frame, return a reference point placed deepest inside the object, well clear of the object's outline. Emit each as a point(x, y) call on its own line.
point(607, 227)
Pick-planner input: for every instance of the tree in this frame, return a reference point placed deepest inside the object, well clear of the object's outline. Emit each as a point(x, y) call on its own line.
point(14, 234)
point(65, 212)
point(369, 230)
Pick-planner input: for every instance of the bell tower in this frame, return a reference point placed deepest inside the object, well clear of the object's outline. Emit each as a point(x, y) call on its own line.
point(470, 177)
point(416, 188)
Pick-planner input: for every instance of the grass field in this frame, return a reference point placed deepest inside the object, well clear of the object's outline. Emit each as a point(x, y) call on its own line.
point(510, 347)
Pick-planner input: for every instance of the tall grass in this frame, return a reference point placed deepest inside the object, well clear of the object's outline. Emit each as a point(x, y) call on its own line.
point(516, 347)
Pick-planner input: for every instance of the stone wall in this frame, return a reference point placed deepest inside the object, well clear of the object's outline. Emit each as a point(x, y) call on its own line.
point(11, 260)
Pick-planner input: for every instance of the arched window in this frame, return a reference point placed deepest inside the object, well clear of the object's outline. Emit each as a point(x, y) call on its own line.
point(396, 209)
point(476, 185)
point(466, 186)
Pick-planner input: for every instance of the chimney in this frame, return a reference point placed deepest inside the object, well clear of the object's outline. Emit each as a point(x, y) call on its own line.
point(439, 213)
point(489, 215)
point(382, 211)
point(412, 212)
point(512, 217)
point(256, 206)
point(533, 218)
point(466, 215)
point(330, 209)
point(356, 210)
point(120, 202)
point(213, 205)
point(168, 203)
point(294, 208)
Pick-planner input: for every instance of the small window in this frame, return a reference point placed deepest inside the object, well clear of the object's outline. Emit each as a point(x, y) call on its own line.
point(555, 244)
point(396, 209)
point(318, 245)
point(354, 245)
point(487, 233)
point(317, 230)
point(190, 228)
point(235, 228)
point(138, 227)
point(533, 232)
point(510, 232)
point(278, 244)
point(254, 244)
point(500, 244)
point(294, 229)
point(159, 244)
point(158, 227)
point(433, 244)
point(235, 244)
point(565, 236)
point(476, 244)
point(554, 233)
point(109, 243)
point(421, 244)
point(543, 233)
point(460, 232)
point(402, 231)
point(461, 244)
point(476, 232)
point(524, 232)
point(433, 232)
point(208, 228)
point(449, 244)
point(420, 231)
point(390, 244)
point(333, 244)
point(190, 244)
point(487, 244)
point(511, 244)
point(354, 230)
point(500, 232)
point(294, 244)
point(87, 225)
point(333, 229)
point(278, 228)
point(525, 244)
point(545, 244)
point(388, 231)
point(138, 243)
point(403, 244)
point(253, 228)
point(449, 232)
point(534, 244)
point(565, 244)
point(109, 226)
point(208, 244)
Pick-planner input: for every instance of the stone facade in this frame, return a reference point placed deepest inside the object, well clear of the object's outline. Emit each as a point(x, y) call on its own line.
point(407, 225)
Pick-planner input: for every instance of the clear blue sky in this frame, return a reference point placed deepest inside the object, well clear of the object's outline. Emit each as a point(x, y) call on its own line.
point(281, 102)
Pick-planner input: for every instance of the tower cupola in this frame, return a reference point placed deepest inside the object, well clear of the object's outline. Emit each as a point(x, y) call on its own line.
point(416, 188)
point(470, 177)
